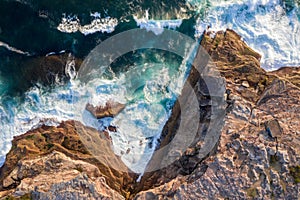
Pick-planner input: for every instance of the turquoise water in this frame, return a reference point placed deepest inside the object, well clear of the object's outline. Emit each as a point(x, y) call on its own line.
point(37, 27)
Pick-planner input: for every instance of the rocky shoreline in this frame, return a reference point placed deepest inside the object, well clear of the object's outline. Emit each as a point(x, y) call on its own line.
point(254, 153)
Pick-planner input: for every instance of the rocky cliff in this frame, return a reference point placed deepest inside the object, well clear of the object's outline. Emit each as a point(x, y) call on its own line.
point(257, 156)
point(51, 161)
point(245, 144)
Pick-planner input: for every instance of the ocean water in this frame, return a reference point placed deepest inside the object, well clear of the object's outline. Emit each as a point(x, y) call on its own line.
point(32, 28)
point(271, 27)
point(148, 89)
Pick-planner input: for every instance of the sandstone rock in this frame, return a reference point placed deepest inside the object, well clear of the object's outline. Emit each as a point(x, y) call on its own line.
point(49, 155)
point(249, 163)
point(56, 176)
point(81, 187)
point(253, 153)
point(110, 109)
point(245, 84)
point(273, 128)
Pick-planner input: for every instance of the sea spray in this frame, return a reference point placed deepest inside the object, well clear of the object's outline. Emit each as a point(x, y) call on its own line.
point(263, 24)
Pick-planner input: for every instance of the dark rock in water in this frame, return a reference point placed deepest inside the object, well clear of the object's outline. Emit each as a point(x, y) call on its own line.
point(112, 128)
point(110, 109)
point(24, 72)
point(51, 69)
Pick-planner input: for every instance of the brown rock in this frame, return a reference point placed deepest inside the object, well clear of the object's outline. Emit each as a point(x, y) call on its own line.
point(31, 159)
point(49, 69)
point(273, 128)
point(245, 84)
point(246, 162)
point(252, 165)
point(110, 109)
point(112, 128)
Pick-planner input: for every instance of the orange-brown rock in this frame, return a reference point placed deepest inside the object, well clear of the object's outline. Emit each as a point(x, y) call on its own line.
point(257, 156)
point(110, 109)
point(30, 160)
point(255, 125)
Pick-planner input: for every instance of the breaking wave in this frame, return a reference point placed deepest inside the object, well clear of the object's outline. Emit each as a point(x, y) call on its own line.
point(71, 24)
point(265, 25)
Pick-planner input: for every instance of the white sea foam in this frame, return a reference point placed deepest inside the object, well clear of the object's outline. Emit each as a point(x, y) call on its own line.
point(138, 125)
point(156, 26)
point(71, 24)
point(264, 26)
point(7, 46)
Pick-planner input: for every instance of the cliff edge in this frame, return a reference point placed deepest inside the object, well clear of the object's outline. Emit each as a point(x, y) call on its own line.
point(255, 153)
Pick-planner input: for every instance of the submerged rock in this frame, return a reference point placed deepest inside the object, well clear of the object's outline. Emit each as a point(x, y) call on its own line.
point(51, 69)
point(25, 72)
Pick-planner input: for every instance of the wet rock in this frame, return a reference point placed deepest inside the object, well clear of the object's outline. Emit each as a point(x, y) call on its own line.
point(110, 109)
point(112, 128)
point(51, 69)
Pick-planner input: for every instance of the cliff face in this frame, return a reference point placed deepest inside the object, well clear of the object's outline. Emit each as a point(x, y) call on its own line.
point(246, 141)
point(257, 155)
point(53, 160)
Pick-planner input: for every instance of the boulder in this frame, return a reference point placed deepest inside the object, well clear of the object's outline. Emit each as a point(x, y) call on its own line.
point(110, 109)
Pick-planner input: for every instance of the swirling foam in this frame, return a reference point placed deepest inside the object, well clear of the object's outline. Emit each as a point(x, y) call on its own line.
point(138, 125)
point(156, 26)
point(71, 24)
point(264, 25)
point(13, 49)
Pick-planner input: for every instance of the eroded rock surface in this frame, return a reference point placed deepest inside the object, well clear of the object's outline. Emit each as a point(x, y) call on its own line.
point(258, 152)
point(53, 160)
point(254, 153)
point(110, 109)
point(56, 176)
